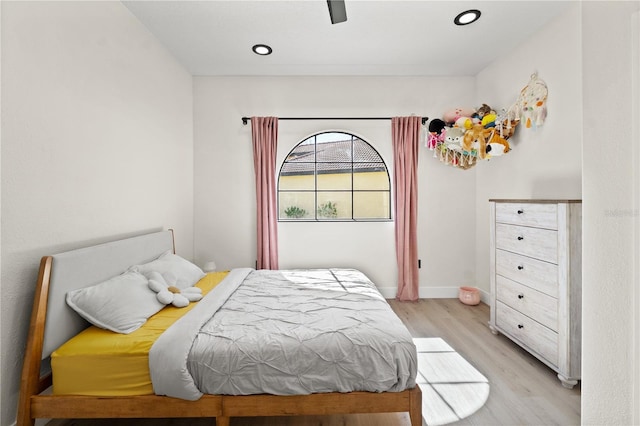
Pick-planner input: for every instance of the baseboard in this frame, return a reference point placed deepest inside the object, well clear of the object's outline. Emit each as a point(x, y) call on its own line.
point(433, 293)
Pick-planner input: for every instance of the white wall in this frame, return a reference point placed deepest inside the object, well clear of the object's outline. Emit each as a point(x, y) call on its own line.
point(224, 187)
point(545, 162)
point(635, 73)
point(609, 330)
point(585, 58)
point(83, 83)
point(97, 144)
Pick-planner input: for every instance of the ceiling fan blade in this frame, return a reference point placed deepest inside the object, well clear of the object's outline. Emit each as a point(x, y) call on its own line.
point(337, 11)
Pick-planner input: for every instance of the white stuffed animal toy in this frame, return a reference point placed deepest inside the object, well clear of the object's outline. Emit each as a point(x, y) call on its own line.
point(173, 295)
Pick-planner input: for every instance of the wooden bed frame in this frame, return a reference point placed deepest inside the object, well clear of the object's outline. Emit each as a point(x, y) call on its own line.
point(33, 403)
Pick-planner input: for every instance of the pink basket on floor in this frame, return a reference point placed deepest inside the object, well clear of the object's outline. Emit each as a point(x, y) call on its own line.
point(469, 295)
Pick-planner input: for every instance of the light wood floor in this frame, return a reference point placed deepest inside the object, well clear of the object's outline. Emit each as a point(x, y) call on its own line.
point(523, 390)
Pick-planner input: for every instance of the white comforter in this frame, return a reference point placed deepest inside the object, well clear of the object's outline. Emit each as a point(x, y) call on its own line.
point(284, 333)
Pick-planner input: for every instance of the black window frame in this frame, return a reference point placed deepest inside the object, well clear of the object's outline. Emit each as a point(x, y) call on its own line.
point(382, 166)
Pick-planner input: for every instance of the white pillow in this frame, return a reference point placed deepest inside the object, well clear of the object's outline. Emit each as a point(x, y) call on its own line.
point(121, 304)
point(175, 270)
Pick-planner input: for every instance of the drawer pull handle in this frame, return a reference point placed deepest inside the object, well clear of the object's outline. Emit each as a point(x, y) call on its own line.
point(520, 267)
point(520, 326)
point(521, 296)
point(520, 238)
point(520, 211)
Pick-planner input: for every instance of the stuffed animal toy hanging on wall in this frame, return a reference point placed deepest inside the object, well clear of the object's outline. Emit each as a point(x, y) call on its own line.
point(452, 116)
point(437, 132)
point(531, 104)
point(497, 145)
point(476, 138)
point(464, 136)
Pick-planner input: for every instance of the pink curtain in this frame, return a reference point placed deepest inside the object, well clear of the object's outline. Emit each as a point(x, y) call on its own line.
point(264, 132)
point(405, 138)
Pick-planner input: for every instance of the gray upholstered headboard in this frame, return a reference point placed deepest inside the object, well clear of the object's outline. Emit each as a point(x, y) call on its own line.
point(88, 266)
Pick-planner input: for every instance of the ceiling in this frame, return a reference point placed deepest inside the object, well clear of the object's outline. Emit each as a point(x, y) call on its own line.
point(382, 37)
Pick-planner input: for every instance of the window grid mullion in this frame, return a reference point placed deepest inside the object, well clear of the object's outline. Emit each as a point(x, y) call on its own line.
point(334, 167)
point(315, 176)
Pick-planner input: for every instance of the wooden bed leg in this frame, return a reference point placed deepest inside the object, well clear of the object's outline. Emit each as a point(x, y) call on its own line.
point(222, 421)
point(25, 422)
point(31, 383)
point(415, 404)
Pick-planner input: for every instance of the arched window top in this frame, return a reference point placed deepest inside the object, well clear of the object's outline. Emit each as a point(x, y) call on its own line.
point(334, 176)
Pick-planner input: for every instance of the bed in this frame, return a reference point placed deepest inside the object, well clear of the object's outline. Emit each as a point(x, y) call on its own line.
point(54, 324)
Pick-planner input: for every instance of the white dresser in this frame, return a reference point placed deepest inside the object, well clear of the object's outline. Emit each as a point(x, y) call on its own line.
point(536, 279)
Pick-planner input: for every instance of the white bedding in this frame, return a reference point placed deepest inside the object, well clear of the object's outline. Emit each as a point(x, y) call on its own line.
point(284, 333)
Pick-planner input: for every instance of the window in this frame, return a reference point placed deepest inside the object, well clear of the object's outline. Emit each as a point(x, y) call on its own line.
point(334, 176)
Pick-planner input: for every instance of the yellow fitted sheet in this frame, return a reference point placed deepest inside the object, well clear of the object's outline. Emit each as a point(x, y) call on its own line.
point(100, 362)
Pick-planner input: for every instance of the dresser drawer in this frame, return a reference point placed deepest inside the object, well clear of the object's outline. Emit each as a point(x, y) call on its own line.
point(528, 214)
point(539, 275)
point(535, 305)
point(533, 242)
point(535, 336)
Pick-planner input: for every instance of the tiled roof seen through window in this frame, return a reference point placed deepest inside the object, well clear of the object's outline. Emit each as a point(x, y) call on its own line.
point(332, 157)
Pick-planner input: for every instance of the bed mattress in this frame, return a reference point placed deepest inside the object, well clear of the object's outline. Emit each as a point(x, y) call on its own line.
point(100, 362)
point(286, 332)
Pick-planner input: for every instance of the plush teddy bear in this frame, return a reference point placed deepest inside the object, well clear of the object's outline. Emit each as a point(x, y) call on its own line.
point(486, 116)
point(484, 110)
point(170, 294)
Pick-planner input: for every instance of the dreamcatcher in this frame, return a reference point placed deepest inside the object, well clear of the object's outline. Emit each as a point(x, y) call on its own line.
point(531, 106)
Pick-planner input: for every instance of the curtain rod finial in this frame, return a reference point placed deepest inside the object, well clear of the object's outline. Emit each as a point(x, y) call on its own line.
point(245, 120)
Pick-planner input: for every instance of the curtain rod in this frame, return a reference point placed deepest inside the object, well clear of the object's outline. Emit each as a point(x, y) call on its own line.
point(245, 120)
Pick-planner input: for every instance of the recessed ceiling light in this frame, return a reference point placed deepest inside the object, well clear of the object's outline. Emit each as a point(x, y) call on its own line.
point(467, 17)
point(261, 49)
